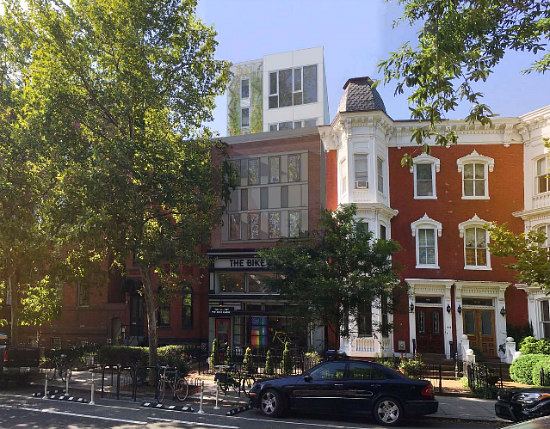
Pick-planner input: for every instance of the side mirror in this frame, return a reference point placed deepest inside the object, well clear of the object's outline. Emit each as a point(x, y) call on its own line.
point(307, 378)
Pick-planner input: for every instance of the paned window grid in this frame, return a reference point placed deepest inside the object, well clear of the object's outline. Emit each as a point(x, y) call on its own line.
point(474, 180)
point(475, 242)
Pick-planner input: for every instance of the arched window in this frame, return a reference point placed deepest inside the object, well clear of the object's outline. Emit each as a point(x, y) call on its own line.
point(476, 252)
point(426, 230)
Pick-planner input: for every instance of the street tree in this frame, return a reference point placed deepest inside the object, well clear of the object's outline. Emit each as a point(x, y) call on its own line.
point(329, 275)
point(122, 88)
point(530, 251)
point(459, 44)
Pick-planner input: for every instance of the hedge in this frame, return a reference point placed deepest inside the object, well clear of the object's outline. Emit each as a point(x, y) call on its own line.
point(521, 371)
point(543, 364)
point(530, 345)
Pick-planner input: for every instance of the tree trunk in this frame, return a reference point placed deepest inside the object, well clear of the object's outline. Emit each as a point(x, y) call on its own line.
point(14, 308)
point(151, 310)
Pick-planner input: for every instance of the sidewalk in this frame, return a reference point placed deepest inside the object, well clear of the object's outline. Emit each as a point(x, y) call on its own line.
point(450, 406)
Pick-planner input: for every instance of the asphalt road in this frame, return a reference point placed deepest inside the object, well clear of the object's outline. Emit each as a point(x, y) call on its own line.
point(19, 411)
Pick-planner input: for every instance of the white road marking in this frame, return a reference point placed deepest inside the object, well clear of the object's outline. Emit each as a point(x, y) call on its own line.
point(64, 413)
point(194, 423)
point(322, 425)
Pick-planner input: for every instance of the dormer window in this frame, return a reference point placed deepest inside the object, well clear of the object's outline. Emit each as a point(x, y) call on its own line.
point(475, 170)
point(424, 168)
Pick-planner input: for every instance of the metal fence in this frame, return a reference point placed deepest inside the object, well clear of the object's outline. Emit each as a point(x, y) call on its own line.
point(485, 376)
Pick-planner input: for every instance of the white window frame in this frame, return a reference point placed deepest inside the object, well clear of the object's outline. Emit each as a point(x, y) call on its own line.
point(475, 222)
point(380, 174)
point(424, 158)
point(361, 183)
point(243, 126)
point(276, 93)
point(544, 228)
point(426, 222)
point(546, 173)
point(249, 88)
point(476, 158)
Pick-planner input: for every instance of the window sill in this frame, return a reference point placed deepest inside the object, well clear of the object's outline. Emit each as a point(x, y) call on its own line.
point(430, 267)
point(418, 197)
point(476, 268)
point(465, 197)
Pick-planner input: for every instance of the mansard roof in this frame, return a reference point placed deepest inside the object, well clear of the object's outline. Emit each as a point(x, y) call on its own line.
point(360, 96)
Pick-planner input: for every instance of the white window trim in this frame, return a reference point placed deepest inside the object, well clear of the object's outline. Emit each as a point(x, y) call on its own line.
point(424, 158)
point(475, 221)
point(355, 181)
point(249, 88)
point(475, 157)
point(425, 222)
point(380, 175)
point(547, 164)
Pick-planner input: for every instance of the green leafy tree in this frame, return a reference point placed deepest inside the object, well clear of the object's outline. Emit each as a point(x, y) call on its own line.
point(123, 89)
point(331, 274)
point(214, 354)
point(531, 256)
point(248, 360)
point(459, 44)
point(269, 368)
point(286, 363)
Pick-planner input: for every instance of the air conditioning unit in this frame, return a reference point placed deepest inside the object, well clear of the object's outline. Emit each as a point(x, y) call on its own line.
point(361, 184)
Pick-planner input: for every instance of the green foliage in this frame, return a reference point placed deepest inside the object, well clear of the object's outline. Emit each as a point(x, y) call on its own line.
point(125, 356)
point(521, 370)
point(518, 333)
point(256, 115)
point(531, 345)
point(334, 272)
point(175, 356)
point(286, 363)
point(543, 364)
point(41, 303)
point(269, 368)
point(314, 357)
point(248, 361)
point(214, 355)
point(228, 355)
point(459, 44)
point(388, 362)
point(532, 258)
point(413, 367)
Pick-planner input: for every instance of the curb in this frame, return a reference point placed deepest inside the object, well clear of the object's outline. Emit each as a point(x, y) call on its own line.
point(161, 406)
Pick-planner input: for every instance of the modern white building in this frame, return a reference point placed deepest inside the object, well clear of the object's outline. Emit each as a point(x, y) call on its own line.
point(278, 92)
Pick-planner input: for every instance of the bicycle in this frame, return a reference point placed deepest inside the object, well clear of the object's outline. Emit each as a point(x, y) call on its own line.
point(60, 367)
point(239, 381)
point(168, 376)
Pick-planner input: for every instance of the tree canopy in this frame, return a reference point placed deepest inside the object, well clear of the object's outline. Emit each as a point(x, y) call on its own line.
point(459, 44)
point(120, 90)
point(329, 275)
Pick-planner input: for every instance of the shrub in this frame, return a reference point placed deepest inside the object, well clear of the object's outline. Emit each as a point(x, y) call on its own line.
point(521, 371)
point(228, 355)
point(543, 364)
point(122, 355)
point(269, 370)
point(286, 363)
point(314, 357)
point(214, 357)
point(174, 356)
point(413, 367)
point(531, 345)
point(248, 361)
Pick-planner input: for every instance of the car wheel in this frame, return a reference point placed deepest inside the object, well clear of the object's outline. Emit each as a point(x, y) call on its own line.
point(272, 403)
point(388, 412)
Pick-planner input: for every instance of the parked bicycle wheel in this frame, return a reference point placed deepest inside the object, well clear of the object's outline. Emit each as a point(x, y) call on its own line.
point(161, 389)
point(182, 389)
point(247, 383)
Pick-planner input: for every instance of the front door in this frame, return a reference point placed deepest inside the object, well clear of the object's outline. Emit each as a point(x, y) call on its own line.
point(223, 336)
point(479, 325)
point(429, 330)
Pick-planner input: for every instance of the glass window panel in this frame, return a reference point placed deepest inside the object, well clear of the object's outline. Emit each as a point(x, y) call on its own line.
point(298, 79)
point(245, 117)
point(428, 300)
point(487, 323)
point(469, 171)
point(479, 188)
point(245, 88)
point(542, 176)
point(163, 316)
point(424, 186)
point(264, 198)
point(310, 123)
point(380, 174)
point(479, 171)
point(231, 282)
point(284, 196)
point(477, 301)
point(310, 84)
point(294, 223)
point(274, 227)
point(253, 226)
point(424, 171)
point(297, 124)
point(244, 200)
point(364, 320)
point(253, 171)
point(297, 100)
point(256, 282)
point(469, 323)
point(285, 125)
point(272, 127)
point(382, 232)
point(361, 166)
point(468, 188)
point(236, 171)
point(274, 169)
point(285, 88)
point(273, 102)
point(436, 322)
point(421, 321)
point(294, 168)
point(233, 201)
point(235, 226)
point(272, 83)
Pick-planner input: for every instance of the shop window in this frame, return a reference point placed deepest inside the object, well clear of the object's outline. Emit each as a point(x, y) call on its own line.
point(258, 331)
point(294, 174)
point(231, 282)
point(256, 282)
point(364, 320)
point(187, 309)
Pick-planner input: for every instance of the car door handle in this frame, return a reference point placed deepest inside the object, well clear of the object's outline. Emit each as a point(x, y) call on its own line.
point(338, 385)
point(375, 385)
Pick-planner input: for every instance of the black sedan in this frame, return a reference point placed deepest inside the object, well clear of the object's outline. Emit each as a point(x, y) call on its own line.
point(347, 386)
point(523, 403)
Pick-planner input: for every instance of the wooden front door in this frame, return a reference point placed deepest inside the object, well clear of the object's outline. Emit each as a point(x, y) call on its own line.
point(429, 330)
point(479, 325)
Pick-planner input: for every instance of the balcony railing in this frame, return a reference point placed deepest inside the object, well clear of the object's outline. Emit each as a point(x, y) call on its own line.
point(541, 200)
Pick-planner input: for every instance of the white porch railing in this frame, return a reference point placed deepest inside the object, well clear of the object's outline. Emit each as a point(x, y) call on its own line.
point(541, 200)
point(371, 346)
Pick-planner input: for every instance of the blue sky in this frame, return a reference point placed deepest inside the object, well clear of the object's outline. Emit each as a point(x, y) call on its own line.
point(356, 35)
